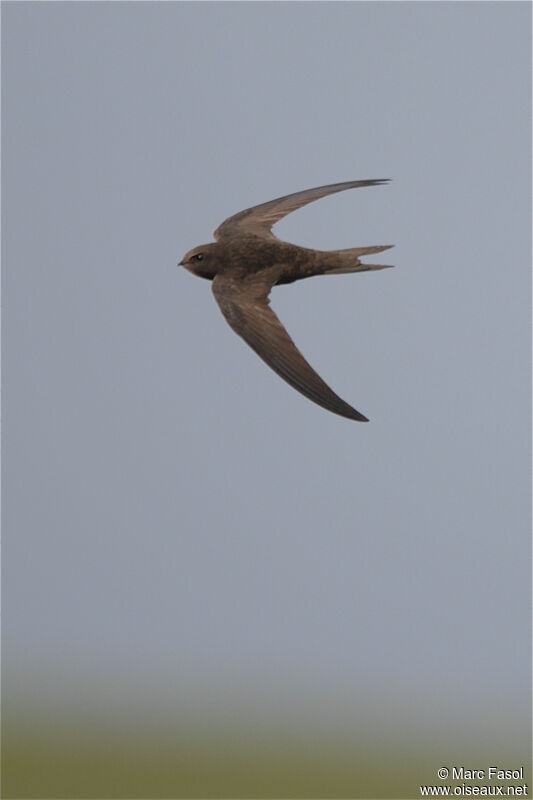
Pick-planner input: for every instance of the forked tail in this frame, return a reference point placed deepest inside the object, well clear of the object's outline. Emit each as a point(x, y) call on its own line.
point(348, 260)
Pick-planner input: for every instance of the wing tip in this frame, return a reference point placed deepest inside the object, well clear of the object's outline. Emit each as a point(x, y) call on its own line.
point(355, 415)
point(365, 182)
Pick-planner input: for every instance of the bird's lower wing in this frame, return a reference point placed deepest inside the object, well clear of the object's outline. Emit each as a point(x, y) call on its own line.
point(247, 310)
point(258, 220)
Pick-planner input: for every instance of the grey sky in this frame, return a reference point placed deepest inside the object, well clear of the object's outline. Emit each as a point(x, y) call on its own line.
point(170, 504)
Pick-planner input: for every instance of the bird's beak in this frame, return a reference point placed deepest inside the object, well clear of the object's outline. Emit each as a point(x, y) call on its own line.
point(180, 264)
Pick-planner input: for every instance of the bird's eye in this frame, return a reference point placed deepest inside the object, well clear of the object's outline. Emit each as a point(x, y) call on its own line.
point(198, 257)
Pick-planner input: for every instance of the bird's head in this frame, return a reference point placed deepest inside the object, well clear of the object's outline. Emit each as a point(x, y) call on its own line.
point(201, 260)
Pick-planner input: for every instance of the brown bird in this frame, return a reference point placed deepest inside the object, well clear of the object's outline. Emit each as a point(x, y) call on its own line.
point(247, 260)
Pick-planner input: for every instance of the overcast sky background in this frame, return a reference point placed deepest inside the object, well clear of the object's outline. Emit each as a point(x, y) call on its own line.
point(175, 516)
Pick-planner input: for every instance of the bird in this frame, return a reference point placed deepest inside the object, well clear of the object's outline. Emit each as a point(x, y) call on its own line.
point(246, 260)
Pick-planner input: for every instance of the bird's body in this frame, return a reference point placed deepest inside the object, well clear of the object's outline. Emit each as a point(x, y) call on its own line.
point(247, 260)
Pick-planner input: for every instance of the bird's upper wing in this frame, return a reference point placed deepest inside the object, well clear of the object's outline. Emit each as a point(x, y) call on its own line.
point(245, 306)
point(259, 220)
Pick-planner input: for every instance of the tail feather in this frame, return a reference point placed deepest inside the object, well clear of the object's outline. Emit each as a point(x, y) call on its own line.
point(348, 260)
point(364, 251)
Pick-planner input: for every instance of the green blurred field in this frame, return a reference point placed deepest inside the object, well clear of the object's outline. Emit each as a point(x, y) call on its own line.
point(47, 757)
